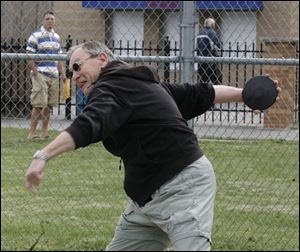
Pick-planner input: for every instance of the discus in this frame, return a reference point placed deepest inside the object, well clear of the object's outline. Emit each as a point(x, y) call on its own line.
point(260, 93)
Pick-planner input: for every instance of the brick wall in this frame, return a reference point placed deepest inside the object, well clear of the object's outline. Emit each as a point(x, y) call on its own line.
point(278, 19)
point(81, 23)
point(281, 114)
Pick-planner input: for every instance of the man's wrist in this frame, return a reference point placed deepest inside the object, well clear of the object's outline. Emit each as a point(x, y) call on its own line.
point(41, 156)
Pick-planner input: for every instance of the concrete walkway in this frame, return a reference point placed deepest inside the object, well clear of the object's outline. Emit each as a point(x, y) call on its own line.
point(202, 129)
point(244, 132)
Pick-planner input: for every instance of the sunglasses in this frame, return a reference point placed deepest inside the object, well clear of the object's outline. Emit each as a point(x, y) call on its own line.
point(76, 66)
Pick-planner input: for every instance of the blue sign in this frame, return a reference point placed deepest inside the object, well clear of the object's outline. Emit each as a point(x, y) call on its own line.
point(230, 5)
point(202, 5)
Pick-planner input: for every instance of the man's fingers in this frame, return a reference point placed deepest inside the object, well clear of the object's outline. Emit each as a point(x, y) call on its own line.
point(32, 181)
point(276, 83)
point(30, 187)
point(278, 90)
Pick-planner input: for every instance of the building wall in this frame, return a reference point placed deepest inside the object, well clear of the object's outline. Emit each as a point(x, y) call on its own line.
point(153, 28)
point(81, 23)
point(279, 19)
point(20, 18)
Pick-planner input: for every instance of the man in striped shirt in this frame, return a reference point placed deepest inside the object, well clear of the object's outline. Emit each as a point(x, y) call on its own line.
point(44, 74)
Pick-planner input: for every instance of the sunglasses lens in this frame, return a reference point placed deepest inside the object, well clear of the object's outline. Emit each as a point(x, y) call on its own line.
point(75, 67)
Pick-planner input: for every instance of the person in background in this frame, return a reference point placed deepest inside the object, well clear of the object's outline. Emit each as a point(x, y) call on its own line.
point(208, 45)
point(44, 75)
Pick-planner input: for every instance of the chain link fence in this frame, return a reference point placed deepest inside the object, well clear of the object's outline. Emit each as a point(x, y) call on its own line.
point(255, 155)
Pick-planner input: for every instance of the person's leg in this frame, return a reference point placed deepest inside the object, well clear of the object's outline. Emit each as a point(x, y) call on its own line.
point(35, 114)
point(38, 101)
point(194, 243)
point(51, 90)
point(136, 232)
point(210, 73)
point(199, 73)
point(219, 75)
point(191, 227)
point(215, 75)
point(203, 73)
point(125, 244)
point(45, 113)
point(183, 207)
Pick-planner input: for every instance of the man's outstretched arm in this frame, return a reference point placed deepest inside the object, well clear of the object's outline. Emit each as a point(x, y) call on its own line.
point(225, 94)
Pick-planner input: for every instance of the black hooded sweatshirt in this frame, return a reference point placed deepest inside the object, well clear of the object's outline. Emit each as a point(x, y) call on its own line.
point(144, 122)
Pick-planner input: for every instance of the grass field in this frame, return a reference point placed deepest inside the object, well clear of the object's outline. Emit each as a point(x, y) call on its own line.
point(81, 197)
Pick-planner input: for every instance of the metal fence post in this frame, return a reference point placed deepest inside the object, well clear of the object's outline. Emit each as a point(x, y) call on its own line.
point(69, 43)
point(166, 52)
point(187, 30)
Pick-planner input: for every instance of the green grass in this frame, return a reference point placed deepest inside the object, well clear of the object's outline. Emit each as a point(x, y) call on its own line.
point(295, 125)
point(81, 197)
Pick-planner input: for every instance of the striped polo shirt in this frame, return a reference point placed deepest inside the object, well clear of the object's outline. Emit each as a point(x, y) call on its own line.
point(44, 42)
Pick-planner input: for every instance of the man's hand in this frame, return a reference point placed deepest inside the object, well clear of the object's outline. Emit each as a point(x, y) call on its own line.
point(62, 143)
point(63, 78)
point(34, 174)
point(278, 89)
point(33, 72)
point(276, 83)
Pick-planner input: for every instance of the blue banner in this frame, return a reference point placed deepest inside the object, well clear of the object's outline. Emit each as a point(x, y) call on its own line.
point(230, 5)
point(202, 5)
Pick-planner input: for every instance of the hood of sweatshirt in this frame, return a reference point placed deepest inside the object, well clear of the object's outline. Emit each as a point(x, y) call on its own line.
point(122, 69)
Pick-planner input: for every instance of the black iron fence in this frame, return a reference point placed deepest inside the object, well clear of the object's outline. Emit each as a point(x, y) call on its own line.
point(16, 84)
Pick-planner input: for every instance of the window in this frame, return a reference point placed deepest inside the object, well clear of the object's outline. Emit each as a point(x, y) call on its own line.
point(238, 29)
point(126, 28)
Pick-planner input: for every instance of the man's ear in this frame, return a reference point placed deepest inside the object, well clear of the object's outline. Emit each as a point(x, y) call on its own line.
point(103, 59)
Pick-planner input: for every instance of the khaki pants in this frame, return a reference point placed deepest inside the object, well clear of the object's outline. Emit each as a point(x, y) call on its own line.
point(180, 214)
point(44, 91)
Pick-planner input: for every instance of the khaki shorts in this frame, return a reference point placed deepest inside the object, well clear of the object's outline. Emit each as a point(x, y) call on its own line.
point(179, 215)
point(44, 91)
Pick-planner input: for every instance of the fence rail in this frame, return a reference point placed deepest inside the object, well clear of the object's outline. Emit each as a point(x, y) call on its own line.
point(173, 59)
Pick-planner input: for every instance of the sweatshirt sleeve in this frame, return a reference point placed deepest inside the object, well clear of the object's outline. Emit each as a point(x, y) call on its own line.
point(103, 114)
point(192, 100)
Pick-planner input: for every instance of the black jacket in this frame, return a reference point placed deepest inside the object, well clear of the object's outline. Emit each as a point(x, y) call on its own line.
point(208, 42)
point(142, 121)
